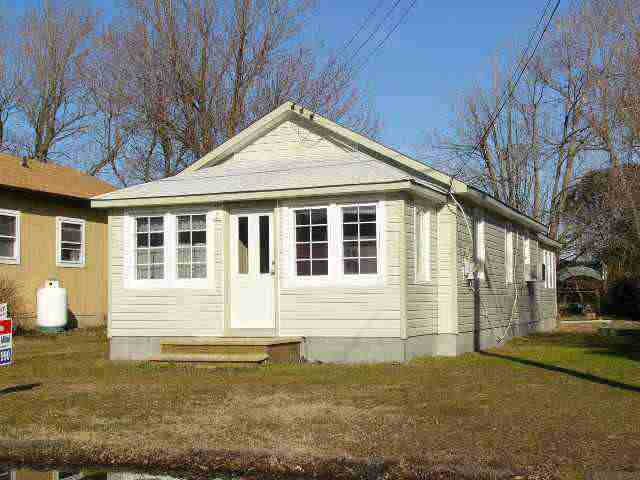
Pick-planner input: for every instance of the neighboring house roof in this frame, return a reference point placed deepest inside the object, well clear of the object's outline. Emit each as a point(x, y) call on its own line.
point(371, 166)
point(50, 178)
point(578, 271)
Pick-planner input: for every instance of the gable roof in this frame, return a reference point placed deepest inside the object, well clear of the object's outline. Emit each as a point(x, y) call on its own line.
point(289, 110)
point(377, 168)
point(50, 178)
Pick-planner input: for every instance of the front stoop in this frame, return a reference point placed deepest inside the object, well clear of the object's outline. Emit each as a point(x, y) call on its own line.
point(227, 351)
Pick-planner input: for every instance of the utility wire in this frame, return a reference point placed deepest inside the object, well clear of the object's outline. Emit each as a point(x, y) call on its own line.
point(382, 42)
point(509, 92)
point(373, 33)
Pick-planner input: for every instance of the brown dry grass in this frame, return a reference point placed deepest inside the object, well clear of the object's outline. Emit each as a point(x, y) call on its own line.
point(561, 403)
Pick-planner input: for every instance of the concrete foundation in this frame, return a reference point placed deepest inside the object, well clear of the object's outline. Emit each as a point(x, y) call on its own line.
point(352, 350)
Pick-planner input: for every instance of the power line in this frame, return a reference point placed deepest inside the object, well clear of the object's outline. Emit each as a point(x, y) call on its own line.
point(382, 42)
point(372, 14)
point(509, 93)
point(374, 32)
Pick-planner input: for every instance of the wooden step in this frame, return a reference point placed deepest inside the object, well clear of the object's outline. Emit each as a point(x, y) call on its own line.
point(219, 358)
point(275, 349)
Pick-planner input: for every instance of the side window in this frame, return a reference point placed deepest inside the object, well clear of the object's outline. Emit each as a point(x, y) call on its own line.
point(9, 236)
point(70, 242)
point(480, 249)
point(191, 254)
point(149, 254)
point(422, 232)
point(359, 240)
point(312, 242)
point(508, 253)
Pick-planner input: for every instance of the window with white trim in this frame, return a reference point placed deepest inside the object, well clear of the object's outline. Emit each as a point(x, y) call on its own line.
point(359, 240)
point(508, 253)
point(526, 249)
point(548, 258)
point(191, 248)
point(312, 242)
point(9, 236)
point(149, 242)
point(70, 242)
point(336, 242)
point(480, 246)
point(422, 234)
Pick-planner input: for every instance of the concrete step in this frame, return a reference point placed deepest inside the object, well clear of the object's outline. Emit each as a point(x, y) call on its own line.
point(217, 358)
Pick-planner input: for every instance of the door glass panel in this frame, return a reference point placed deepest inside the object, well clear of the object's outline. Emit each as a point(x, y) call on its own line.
point(243, 245)
point(264, 244)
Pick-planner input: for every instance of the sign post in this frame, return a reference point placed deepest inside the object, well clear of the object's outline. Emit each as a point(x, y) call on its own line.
point(6, 348)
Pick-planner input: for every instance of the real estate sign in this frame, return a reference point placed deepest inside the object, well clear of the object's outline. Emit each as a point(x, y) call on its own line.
point(6, 349)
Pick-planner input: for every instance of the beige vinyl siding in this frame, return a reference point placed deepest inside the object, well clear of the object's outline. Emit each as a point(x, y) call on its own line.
point(422, 297)
point(343, 310)
point(165, 311)
point(289, 147)
point(496, 297)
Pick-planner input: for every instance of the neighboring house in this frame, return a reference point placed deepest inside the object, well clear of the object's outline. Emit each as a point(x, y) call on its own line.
point(48, 230)
point(300, 228)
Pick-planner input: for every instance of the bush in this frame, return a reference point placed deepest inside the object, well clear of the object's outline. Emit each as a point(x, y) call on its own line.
point(623, 298)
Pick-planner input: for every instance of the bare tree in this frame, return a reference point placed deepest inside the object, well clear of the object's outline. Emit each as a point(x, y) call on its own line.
point(54, 42)
point(195, 73)
point(9, 85)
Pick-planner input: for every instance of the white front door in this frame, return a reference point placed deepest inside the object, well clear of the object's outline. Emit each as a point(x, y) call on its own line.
point(252, 271)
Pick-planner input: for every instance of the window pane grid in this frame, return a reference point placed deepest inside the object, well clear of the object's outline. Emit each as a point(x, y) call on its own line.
point(191, 254)
point(71, 242)
point(8, 236)
point(149, 248)
point(312, 242)
point(359, 240)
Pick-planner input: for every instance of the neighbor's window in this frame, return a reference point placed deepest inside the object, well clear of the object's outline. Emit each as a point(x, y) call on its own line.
point(9, 236)
point(508, 253)
point(423, 244)
point(359, 240)
point(312, 242)
point(70, 242)
point(191, 257)
point(149, 248)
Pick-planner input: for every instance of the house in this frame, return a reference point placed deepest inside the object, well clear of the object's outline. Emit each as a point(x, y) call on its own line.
point(48, 230)
point(300, 230)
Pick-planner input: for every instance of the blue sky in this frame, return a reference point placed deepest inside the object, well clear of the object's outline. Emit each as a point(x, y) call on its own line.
point(443, 48)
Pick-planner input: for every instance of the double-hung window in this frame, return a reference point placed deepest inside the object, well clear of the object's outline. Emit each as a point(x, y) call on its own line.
point(70, 242)
point(191, 255)
point(9, 236)
point(149, 255)
point(508, 253)
point(422, 233)
point(312, 242)
point(336, 243)
point(359, 240)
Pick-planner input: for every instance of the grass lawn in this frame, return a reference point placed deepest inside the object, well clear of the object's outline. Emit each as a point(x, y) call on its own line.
point(555, 404)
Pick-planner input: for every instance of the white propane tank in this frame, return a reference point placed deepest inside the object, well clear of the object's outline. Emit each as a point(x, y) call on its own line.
point(52, 307)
